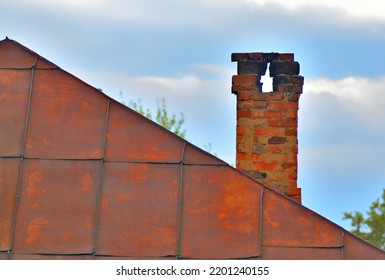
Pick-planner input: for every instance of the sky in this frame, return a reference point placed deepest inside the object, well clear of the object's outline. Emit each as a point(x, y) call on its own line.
point(180, 50)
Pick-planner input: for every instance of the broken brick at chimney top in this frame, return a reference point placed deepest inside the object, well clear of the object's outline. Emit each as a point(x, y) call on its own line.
point(267, 122)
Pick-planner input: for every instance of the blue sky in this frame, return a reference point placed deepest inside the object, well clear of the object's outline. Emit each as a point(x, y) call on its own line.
point(180, 50)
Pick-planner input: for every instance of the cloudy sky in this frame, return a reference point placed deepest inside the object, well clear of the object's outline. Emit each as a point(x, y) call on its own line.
point(180, 50)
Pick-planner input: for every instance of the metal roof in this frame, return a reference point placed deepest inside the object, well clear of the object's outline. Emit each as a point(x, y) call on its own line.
point(84, 177)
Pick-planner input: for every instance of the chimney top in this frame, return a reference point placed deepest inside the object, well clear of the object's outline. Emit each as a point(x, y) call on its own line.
point(262, 56)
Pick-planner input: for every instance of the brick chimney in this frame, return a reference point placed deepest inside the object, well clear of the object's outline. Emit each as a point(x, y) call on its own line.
point(267, 122)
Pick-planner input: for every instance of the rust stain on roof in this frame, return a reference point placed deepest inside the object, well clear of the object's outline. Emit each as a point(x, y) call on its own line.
point(84, 177)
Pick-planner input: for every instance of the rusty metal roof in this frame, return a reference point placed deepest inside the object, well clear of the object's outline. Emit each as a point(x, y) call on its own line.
point(84, 177)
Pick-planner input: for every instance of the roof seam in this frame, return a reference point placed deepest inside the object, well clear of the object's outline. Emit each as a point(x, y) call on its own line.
point(120, 161)
point(180, 202)
point(18, 191)
point(100, 184)
point(29, 68)
point(305, 247)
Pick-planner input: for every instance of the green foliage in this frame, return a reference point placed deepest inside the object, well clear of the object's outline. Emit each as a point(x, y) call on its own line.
point(371, 227)
point(162, 117)
point(171, 123)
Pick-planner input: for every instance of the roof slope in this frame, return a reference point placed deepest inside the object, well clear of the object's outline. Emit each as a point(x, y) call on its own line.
point(84, 177)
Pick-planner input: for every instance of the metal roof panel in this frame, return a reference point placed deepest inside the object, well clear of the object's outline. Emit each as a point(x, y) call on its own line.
point(138, 210)
point(57, 208)
point(221, 214)
point(67, 118)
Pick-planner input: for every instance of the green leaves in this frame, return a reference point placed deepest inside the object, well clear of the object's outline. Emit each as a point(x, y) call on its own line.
point(171, 123)
point(162, 116)
point(371, 227)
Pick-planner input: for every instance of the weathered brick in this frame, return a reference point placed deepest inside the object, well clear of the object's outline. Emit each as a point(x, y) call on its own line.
point(271, 56)
point(267, 114)
point(293, 97)
point(291, 132)
point(252, 67)
point(292, 114)
point(243, 156)
point(286, 56)
point(289, 88)
point(243, 88)
point(267, 131)
point(240, 130)
point(282, 122)
point(257, 174)
point(250, 104)
point(275, 149)
point(292, 175)
point(259, 149)
point(268, 96)
point(244, 114)
point(244, 96)
point(282, 105)
point(246, 56)
point(292, 183)
point(288, 79)
point(291, 158)
point(283, 67)
point(277, 140)
point(293, 191)
point(290, 165)
point(246, 79)
point(265, 166)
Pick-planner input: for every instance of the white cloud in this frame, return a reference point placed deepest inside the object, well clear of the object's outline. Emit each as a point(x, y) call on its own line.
point(362, 96)
point(209, 14)
point(368, 8)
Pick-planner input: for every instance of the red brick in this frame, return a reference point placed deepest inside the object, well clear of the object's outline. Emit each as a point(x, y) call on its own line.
point(246, 79)
point(283, 122)
point(292, 183)
point(291, 159)
point(267, 131)
point(241, 130)
point(292, 175)
point(244, 96)
point(290, 165)
point(247, 104)
point(242, 156)
point(291, 132)
point(275, 149)
point(265, 166)
point(243, 88)
point(293, 191)
point(282, 105)
point(290, 113)
point(268, 96)
point(267, 114)
point(244, 114)
point(239, 138)
point(286, 56)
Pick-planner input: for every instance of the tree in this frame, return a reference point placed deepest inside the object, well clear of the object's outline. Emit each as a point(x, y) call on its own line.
point(371, 227)
point(162, 117)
